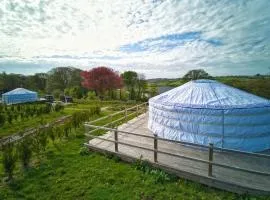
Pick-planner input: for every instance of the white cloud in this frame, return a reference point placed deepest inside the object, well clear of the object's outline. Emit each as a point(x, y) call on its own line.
point(93, 32)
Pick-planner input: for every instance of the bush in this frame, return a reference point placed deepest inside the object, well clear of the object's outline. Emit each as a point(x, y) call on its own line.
point(84, 151)
point(56, 93)
point(23, 111)
point(24, 151)
point(9, 160)
point(81, 116)
point(159, 175)
point(39, 141)
point(58, 107)
point(9, 118)
point(67, 128)
point(58, 131)
point(43, 139)
point(91, 95)
point(2, 120)
point(51, 134)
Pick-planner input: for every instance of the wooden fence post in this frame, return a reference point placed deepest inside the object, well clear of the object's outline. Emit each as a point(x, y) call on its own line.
point(210, 166)
point(137, 109)
point(125, 113)
point(155, 147)
point(116, 140)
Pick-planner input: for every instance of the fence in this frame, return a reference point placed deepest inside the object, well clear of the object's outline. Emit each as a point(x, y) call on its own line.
point(135, 110)
point(211, 149)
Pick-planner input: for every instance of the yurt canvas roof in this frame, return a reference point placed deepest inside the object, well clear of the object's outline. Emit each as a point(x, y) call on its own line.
point(19, 91)
point(209, 94)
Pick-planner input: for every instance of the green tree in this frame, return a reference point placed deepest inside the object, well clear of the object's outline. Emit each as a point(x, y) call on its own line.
point(63, 77)
point(141, 86)
point(91, 95)
point(56, 93)
point(76, 92)
point(130, 79)
point(196, 74)
point(37, 81)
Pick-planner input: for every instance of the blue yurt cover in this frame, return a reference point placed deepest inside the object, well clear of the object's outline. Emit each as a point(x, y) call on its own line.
point(207, 111)
point(19, 95)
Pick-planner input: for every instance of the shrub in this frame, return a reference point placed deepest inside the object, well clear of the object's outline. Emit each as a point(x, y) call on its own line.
point(24, 151)
point(43, 139)
point(9, 118)
point(67, 128)
point(84, 151)
point(92, 96)
point(58, 131)
point(2, 120)
point(51, 134)
point(9, 160)
point(159, 175)
point(39, 141)
point(58, 107)
point(47, 108)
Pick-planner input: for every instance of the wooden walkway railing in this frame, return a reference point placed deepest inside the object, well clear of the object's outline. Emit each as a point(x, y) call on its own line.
point(135, 110)
point(211, 148)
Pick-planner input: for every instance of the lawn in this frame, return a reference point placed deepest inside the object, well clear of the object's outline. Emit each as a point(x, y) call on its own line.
point(63, 173)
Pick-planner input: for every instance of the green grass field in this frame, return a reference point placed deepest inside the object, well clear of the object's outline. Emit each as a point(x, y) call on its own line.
point(63, 173)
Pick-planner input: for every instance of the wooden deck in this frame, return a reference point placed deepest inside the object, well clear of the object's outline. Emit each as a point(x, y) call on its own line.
point(223, 178)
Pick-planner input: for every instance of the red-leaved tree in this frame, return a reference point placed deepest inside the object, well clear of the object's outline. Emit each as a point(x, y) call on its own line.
point(101, 79)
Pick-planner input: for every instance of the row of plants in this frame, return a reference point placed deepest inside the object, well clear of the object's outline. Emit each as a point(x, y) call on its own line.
point(104, 102)
point(21, 112)
point(35, 144)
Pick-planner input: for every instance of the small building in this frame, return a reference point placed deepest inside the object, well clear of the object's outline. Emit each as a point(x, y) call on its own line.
point(19, 95)
point(206, 111)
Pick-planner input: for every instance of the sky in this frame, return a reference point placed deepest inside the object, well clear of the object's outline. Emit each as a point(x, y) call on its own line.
point(159, 38)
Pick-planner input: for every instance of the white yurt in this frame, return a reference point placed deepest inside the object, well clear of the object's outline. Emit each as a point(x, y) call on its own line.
point(207, 111)
point(19, 95)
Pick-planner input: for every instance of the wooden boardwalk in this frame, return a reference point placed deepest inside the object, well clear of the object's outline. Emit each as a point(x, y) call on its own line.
point(227, 179)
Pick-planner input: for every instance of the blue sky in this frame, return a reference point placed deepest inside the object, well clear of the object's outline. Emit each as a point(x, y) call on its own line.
point(161, 38)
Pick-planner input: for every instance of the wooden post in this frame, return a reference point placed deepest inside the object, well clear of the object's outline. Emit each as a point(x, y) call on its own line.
point(137, 108)
point(116, 140)
point(125, 113)
point(155, 147)
point(210, 166)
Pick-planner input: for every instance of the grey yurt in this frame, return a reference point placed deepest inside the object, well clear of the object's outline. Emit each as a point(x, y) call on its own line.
point(207, 111)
